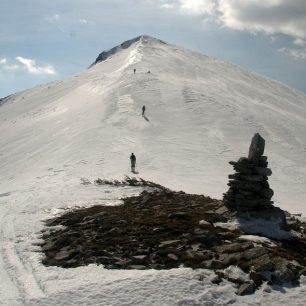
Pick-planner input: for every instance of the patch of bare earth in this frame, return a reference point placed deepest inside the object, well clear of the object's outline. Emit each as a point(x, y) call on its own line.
point(163, 229)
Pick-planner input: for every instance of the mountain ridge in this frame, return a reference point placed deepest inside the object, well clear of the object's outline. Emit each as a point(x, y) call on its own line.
point(104, 55)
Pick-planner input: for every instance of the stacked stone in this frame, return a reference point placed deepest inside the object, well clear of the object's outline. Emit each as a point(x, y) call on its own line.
point(249, 188)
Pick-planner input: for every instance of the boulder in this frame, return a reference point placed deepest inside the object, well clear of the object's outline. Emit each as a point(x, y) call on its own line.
point(254, 253)
point(234, 247)
point(263, 264)
point(246, 288)
point(285, 272)
point(256, 278)
point(178, 215)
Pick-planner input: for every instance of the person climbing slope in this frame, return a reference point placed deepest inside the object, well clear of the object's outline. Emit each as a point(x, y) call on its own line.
point(143, 110)
point(133, 162)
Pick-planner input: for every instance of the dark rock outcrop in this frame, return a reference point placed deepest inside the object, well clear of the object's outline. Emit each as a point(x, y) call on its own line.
point(158, 231)
point(5, 99)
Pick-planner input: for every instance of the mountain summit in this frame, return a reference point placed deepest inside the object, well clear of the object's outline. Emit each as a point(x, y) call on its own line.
point(200, 114)
point(106, 54)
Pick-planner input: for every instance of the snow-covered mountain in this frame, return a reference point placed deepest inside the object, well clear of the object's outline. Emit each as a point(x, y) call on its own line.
point(200, 114)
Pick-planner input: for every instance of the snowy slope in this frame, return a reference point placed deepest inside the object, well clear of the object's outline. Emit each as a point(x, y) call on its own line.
point(201, 113)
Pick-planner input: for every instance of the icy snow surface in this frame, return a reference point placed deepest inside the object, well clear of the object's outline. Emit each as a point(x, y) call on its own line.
point(200, 114)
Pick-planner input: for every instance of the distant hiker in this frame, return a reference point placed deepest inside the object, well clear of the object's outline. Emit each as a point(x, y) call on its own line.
point(143, 110)
point(134, 70)
point(149, 71)
point(133, 162)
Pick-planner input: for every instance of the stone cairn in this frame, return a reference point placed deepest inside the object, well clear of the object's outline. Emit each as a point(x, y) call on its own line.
point(249, 188)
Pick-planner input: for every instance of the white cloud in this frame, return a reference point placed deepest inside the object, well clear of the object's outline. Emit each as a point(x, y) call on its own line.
point(5, 65)
point(31, 67)
point(300, 42)
point(192, 7)
point(12, 67)
point(168, 5)
point(269, 17)
point(21, 64)
point(297, 54)
point(198, 7)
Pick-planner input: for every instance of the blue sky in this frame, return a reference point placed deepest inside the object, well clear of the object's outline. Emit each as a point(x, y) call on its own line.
point(44, 40)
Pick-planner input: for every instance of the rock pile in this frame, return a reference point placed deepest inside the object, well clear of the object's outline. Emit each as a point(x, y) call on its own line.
point(249, 188)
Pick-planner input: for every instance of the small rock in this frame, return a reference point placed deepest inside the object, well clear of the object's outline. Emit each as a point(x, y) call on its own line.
point(122, 262)
point(285, 272)
point(137, 267)
point(263, 264)
point(243, 170)
point(216, 279)
point(252, 177)
point(203, 222)
point(234, 247)
point(230, 259)
point(254, 253)
point(266, 193)
point(199, 231)
point(195, 246)
point(62, 255)
point(114, 230)
point(48, 246)
point(178, 215)
point(217, 264)
point(246, 288)
point(221, 210)
point(263, 171)
point(169, 243)
point(302, 272)
point(256, 278)
point(172, 256)
point(140, 257)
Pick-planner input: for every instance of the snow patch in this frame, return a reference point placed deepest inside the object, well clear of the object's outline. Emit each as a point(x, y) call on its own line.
point(266, 228)
point(258, 239)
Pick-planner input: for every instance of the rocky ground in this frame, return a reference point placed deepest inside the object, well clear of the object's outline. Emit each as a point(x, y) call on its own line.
point(163, 229)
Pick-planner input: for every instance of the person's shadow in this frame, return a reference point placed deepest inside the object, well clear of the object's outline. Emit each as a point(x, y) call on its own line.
point(145, 117)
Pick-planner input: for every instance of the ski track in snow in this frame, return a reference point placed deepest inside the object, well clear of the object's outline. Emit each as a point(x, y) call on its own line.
point(61, 136)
